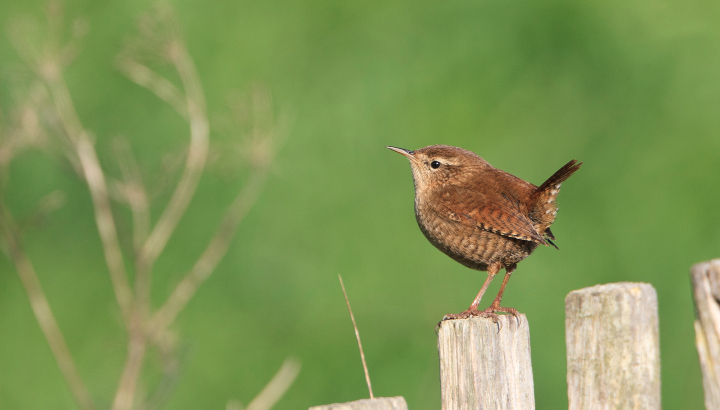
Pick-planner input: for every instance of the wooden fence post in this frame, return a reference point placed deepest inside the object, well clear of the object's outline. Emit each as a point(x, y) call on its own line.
point(705, 279)
point(486, 365)
point(378, 403)
point(613, 354)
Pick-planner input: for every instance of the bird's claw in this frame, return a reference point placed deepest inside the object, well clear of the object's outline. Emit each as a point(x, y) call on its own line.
point(463, 315)
point(490, 312)
point(493, 308)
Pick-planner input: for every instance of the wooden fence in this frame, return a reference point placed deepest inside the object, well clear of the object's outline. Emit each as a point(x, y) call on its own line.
point(613, 355)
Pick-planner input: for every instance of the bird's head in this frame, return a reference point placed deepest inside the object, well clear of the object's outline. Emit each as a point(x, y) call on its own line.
point(439, 165)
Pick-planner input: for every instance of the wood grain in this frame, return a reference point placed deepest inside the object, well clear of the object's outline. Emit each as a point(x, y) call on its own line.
point(705, 279)
point(613, 356)
point(486, 365)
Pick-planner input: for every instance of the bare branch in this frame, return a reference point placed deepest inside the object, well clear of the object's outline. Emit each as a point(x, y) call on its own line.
point(265, 135)
point(106, 224)
point(137, 345)
point(195, 161)
point(260, 147)
point(161, 36)
point(197, 154)
point(41, 310)
point(159, 85)
point(132, 191)
point(212, 255)
point(277, 387)
point(25, 130)
point(48, 67)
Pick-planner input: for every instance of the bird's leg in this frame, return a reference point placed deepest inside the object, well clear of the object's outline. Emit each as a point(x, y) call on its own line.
point(473, 309)
point(478, 298)
point(495, 306)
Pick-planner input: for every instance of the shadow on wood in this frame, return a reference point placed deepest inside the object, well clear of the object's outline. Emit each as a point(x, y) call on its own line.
point(486, 365)
point(378, 403)
point(705, 278)
point(613, 356)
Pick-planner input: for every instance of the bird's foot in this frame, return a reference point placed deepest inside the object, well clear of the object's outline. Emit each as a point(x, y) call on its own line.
point(491, 312)
point(462, 315)
point(493, 309)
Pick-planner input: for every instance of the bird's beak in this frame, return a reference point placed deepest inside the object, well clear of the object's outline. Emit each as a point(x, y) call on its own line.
point(402, 151)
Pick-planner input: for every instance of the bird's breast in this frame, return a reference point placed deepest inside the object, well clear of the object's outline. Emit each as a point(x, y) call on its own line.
point(469, 244)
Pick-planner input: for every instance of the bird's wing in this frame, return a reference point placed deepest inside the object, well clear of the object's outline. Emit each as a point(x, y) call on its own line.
point(497, 211)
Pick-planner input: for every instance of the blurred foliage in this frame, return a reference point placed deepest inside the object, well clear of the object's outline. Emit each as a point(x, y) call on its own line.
point(632, 89)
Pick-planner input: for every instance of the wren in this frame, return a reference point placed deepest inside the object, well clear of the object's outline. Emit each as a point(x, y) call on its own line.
point(480, 216)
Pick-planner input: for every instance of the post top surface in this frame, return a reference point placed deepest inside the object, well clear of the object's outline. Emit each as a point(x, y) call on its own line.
point(631, 287)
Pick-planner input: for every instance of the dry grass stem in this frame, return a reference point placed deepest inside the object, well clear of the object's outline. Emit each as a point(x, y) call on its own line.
point(277, 387)
point(49, 71)
point(266, 135)
point(212, 255)
point(357, 335)
point(106, 225)
point(26, 129)
point(41, 310)
point(159, 85)
point(132, 192)
point(146, 330)
point(195, 162)
point(137, 344)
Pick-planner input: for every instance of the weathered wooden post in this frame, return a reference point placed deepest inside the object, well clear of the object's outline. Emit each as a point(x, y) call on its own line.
point(378, 403)
point(486, 365)
point(613, 353)
point(705, 279)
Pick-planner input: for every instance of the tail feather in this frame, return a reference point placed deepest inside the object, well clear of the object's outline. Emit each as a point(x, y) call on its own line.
point(543, 204)
point(561, 175)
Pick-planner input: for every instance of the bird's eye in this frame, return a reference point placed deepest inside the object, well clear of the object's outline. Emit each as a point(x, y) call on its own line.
point(435, 164)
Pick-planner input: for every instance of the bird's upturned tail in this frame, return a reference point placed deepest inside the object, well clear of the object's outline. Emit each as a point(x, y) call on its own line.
point(543, 204)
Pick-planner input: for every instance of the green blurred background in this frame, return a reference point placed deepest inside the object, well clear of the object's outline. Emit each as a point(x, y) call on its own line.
point(631, 88)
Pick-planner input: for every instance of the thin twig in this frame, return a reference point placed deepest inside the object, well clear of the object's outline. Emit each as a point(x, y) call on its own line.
point(133, 192)
point(137, 345)
point(357, 335)
point(212, 255)
point(195, 162)
point(48, 67)
point(159, 85)
point(48, 61)
point(43, 313)
point(277, 386)
point(106, 224)
point(97, 185)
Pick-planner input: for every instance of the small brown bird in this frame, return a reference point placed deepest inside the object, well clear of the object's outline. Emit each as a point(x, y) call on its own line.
point(480, 216)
